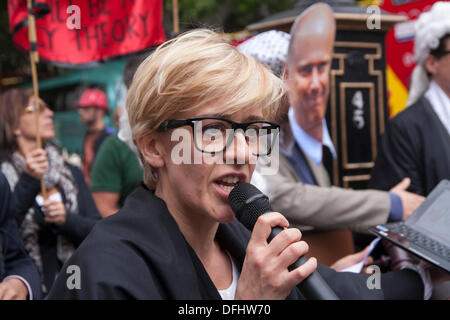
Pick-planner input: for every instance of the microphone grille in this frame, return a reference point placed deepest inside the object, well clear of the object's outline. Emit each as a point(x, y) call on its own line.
point(248, 203)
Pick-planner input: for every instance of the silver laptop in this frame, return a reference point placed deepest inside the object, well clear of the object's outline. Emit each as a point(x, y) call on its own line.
point(427, 232)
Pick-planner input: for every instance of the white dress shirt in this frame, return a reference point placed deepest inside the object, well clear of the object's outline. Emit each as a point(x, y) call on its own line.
point(309, 145)
point(440, 103)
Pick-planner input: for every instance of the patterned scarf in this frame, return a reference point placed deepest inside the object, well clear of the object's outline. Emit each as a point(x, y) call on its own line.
point(58, 175)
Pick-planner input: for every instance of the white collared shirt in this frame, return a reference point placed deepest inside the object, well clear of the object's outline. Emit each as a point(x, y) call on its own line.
point(440, 103)
point(310, 146)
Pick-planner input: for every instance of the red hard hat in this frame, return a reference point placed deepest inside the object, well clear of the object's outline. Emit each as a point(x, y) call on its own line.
point(93, 98)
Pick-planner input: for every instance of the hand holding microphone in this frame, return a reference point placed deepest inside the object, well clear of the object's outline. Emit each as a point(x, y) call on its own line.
point(265, 273)
point(271, 264)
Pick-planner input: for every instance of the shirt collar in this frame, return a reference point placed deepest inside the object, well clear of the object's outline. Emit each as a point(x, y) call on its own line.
point(309, 145)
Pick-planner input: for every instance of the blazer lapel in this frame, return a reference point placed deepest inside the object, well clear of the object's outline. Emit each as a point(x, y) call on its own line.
point(287, 145)
point(319, 173)
point(233, 237)
point(442, 129)
point(163, 245)
point(290, 149)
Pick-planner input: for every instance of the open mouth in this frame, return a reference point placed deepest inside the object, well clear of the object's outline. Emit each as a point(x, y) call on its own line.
point(227, 183)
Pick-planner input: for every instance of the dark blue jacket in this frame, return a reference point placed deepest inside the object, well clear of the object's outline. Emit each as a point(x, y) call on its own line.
point(77, 226)
point(14, 260)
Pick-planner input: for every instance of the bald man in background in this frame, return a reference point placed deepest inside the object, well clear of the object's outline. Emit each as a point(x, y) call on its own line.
point(301, 189)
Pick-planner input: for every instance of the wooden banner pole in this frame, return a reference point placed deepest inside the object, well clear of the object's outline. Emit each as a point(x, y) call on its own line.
point(175, 21)
point(34, 58)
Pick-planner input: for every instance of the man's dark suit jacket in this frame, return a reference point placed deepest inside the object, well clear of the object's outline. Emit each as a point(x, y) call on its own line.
point(14, 260)
point(416, 145)
point(140, 253)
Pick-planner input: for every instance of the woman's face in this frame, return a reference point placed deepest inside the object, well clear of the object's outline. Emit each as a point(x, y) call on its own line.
point(200, 189)
point(27, 122)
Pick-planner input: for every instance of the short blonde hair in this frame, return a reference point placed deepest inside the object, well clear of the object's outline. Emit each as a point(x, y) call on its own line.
point(191, 71)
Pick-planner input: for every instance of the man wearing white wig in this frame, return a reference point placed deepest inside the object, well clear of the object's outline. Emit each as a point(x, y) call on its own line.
point(416, 143)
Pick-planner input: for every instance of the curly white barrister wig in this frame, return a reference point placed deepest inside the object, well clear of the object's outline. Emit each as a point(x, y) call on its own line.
point(430, 28)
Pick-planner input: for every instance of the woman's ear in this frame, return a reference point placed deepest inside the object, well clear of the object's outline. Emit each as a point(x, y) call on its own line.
point(16, 132)
point(151, 149)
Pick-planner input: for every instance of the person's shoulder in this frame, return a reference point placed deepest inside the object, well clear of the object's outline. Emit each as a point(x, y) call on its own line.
point(111, 144)
point(139, 230)
point(142, 219)
point(412, 121)
point(102, 235)
point(107, 244)
point(110, 141)
point(108, 265)
point(413, 114)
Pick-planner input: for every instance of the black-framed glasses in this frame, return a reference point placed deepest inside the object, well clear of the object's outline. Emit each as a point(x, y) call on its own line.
point(214, 134)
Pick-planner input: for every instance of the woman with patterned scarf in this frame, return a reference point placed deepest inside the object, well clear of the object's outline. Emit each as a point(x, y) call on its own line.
point(51, 229)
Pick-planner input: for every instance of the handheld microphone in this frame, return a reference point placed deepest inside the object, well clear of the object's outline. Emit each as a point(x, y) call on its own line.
point(248, 203)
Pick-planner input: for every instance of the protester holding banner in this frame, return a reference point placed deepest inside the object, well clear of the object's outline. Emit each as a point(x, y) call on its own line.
point(50, 228)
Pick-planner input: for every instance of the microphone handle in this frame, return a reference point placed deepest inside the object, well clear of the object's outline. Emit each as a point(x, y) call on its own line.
point(313, 287)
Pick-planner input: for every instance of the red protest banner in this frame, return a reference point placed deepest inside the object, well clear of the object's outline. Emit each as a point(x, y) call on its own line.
point(83, 31)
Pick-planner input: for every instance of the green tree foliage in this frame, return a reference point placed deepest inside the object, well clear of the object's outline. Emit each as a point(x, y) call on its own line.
point(229, 15)
point(10, 58)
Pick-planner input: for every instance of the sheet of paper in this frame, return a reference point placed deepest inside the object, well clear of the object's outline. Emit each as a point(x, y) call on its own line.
point(356, 268)
point(54, 196)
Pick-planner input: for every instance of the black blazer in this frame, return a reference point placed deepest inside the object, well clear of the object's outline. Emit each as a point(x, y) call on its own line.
point(140, 253)
point(416, 145)
point(14, 260)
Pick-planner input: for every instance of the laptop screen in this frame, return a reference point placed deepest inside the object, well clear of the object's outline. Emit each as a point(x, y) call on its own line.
point(435, 220)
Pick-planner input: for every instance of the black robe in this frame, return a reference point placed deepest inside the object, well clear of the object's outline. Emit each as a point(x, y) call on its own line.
point(416, 145)
point(140, 253)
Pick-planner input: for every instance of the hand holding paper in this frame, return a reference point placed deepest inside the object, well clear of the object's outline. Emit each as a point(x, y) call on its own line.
point(54, 210)
point(355, 262)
